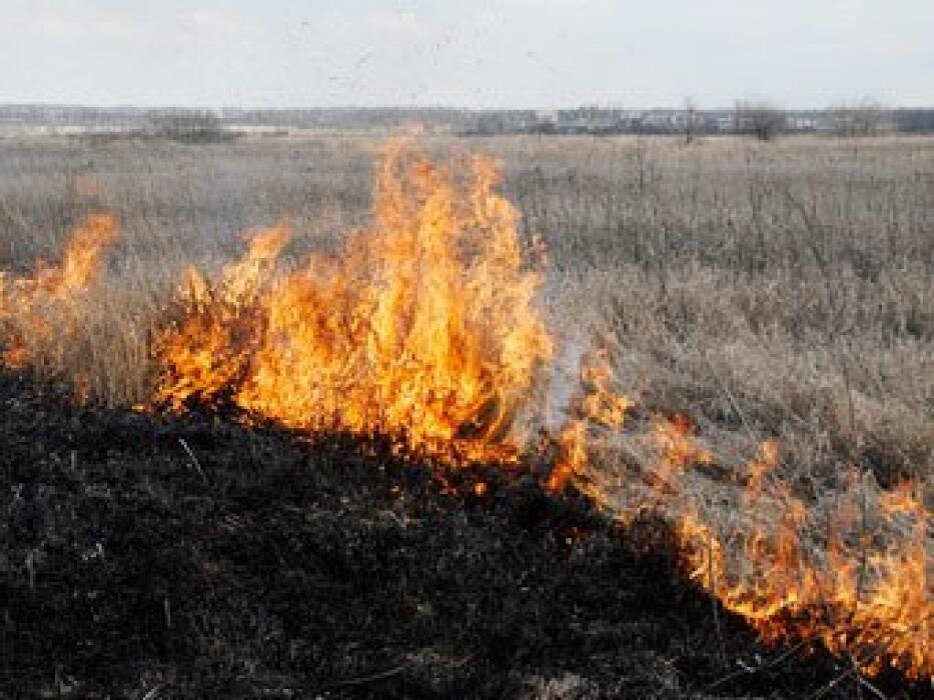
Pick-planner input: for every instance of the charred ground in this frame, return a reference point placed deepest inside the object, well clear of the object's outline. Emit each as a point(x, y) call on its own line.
point(266, 565)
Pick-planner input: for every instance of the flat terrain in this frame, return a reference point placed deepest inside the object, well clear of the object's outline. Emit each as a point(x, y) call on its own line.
point(275, 568)
point(765, 290)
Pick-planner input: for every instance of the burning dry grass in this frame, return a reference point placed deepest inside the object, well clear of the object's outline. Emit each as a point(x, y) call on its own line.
point(424, 326)
point(45, 315)
point(849, 565)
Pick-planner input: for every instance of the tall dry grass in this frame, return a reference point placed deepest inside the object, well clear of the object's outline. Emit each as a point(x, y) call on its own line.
point(765, 289)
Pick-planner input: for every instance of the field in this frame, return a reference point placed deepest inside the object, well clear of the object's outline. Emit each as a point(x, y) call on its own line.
point(770, 289)
point(766, 291)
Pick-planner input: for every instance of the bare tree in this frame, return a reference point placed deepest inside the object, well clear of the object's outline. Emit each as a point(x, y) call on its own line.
point(758, 118)
point(690, 119)
point(866, 117)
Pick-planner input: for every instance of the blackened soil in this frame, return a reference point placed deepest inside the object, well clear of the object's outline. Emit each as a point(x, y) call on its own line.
point(155, 558)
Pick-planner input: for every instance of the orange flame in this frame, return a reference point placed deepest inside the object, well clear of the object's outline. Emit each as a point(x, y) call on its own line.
point(35, 308)
point(600, 406)
point(423, 328)
point(863, 589)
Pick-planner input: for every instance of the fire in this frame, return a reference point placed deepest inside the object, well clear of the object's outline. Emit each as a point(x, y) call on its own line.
point(678, 448)
point(206, 353)
point(850, 569)
point(35, 308)
point(599, 406)
point(423, 328)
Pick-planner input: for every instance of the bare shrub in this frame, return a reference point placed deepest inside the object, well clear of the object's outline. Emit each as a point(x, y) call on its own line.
point(866, 117)
point(189, 127)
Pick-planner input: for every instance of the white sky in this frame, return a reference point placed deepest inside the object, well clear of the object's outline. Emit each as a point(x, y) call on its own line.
point(468, 53)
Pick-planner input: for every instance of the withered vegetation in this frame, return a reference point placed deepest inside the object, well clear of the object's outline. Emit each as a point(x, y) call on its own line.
point(764, 381)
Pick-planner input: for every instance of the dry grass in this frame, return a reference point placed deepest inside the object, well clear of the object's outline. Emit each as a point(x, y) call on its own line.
point(765, 289)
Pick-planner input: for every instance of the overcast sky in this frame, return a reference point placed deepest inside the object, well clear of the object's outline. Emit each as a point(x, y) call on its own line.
point(468, 53)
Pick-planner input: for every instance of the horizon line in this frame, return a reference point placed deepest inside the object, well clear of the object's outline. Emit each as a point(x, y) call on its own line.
point(881, 105)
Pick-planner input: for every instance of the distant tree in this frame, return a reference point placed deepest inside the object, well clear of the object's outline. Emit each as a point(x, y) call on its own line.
point(188, 126)
point(690, 119)
point(866, 117)
point(914, 120)
point(758, 118)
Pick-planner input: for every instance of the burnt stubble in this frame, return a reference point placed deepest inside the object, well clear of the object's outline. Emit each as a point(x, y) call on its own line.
point(272, 565)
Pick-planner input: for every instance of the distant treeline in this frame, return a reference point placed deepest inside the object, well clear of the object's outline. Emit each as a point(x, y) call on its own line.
point(758, 119)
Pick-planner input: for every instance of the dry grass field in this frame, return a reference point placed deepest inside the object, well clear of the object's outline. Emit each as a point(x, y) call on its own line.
point(733, 337)
point(767, 290)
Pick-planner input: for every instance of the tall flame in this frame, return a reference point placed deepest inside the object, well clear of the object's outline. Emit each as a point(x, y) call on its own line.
point(423, 328)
